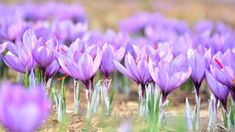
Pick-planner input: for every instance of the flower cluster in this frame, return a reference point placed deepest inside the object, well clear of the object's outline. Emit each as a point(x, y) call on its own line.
point(157, 53)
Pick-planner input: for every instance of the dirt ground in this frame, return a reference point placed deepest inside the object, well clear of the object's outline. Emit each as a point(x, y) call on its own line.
point(125, 109)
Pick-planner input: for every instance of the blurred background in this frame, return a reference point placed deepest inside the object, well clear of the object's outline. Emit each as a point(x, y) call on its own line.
point(105, 14)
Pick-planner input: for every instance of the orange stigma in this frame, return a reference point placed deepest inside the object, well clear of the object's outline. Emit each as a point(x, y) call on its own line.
point(233, 80)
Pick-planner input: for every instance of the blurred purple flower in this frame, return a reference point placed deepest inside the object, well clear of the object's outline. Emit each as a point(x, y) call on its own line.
point(218, 89)
point(74, 12)
point(66, 31)
point(138, 22)
point(37, 12)
point(110, 54)
point(181, 44)
point(42, 29)
point(170, 75)
point(23, 109)
point(12, 27)
point(204, 27)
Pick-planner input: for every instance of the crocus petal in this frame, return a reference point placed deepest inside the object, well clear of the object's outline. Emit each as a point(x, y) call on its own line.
point(152, 70)
point(97, 61)
point(123, 70)
point(13, 62)
point(62, 61)
point(119, 54)
point(53, 68)
point(107, 59)
point(3, 47)
point(219, 90)
point(30, 39)
point(131, 67)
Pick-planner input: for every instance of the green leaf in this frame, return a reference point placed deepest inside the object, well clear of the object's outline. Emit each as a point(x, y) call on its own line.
point(38, 75)
point(26, 79)
point(225, 120)
point(111, 96)
point(231, 116)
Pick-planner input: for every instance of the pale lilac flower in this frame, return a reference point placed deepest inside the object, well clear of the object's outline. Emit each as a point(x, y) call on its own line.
point(222, 68)
point(19, 57)
point(170, 75)
point(218, 89)
point(110, 54)
point(199, 61)
point(81, 65)
point(136, 68)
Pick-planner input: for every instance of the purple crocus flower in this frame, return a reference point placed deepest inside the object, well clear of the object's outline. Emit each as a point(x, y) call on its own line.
point(219, 90)
point(23, 109)
point(81, 66)
point(199, 61)
point(136, 68)
point(222, 68)
point(170, 75)
point(19, 57)
point(45, 57)
point(110, 54)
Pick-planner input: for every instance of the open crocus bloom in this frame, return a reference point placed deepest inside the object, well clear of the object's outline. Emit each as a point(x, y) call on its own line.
point(199, 61)
point(19, 57)
point(219, 90)
point(136, 68)
point(45, 56)
point(170, 75)
point(23, 109)
point(82, 67)
point(222, 68)
point(110, 54)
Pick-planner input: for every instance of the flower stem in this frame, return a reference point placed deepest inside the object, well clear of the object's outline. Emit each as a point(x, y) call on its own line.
point(76, 96)
point(106, 99)
point(196, 118)
point(142, 104)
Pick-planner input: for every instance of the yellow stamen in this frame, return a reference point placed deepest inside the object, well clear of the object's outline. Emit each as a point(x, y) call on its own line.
point(233, 79)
